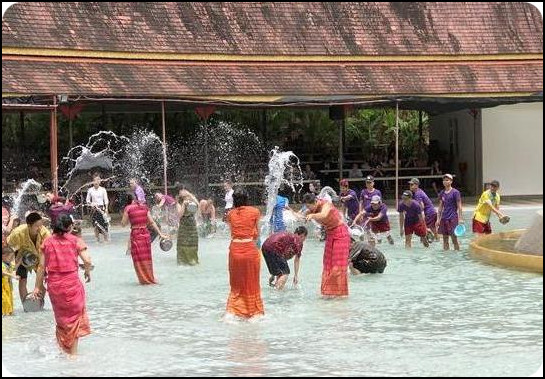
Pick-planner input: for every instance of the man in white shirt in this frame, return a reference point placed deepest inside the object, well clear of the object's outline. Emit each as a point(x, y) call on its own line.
point(228, 187)
point(97, 198)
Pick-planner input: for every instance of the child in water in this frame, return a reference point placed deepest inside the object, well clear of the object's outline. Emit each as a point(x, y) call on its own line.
point(8, 273)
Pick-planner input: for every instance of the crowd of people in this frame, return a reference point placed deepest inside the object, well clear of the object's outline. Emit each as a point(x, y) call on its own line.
point(54, 253)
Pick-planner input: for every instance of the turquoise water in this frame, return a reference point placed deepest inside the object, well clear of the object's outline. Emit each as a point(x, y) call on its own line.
point(432, 313)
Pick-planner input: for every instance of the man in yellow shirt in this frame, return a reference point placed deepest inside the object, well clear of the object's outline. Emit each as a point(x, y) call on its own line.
point(27, 239)
point(489, 202)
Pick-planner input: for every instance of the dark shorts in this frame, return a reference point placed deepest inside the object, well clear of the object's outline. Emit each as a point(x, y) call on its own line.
point(431, 221)
point(481, 228)
point(276, 264)
point(380, 226)
point(22, 272)
point(446, 227)
point(419, 229)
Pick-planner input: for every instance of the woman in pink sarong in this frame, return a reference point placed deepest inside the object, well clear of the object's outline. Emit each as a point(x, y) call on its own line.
point(137, 214)
point(337, 245)
point(66, 292)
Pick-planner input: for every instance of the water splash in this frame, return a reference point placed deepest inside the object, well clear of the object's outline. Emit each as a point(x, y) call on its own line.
point(284, 169)
point(142, 158)
point(325, 191)
point(22, 201)
point(100, 154)
point(139, 156)
point(290, 220)
point(222, 150)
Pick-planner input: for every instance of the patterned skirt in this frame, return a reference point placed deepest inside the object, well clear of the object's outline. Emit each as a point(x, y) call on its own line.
point(141, 255)
point(188, 241)
point(335, 263)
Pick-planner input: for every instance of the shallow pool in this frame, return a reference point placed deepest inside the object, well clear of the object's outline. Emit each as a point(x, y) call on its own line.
point(432, 313)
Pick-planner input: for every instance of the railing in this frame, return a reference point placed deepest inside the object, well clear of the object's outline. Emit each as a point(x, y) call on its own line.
point(256, 191)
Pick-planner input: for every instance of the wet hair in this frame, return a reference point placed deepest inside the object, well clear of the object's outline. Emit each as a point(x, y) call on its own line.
point(240, 197)
point(407, 194)
point(309, 198)
point(7, 201)
point(302, 231)
point(284, 190)
point(32, 218)
point(16, 222)
point(63, 224)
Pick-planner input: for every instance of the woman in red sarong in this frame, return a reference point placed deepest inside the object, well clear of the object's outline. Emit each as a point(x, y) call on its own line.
point(66, 292)
point(137, 214)
point(244, 259)
point(337, 245)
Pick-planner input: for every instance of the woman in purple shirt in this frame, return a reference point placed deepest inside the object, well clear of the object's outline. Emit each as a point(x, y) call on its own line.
point(449, 213)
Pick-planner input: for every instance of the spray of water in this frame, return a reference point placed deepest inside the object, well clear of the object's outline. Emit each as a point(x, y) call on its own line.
point(99, 154)
point(22, 201)
point(328, 191)
point(121, 157)
point(284, 168)
point(142, 158)
point(220, 150)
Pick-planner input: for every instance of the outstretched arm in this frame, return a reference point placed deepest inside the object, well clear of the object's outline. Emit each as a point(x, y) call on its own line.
point(322, 214)
point(495, 210)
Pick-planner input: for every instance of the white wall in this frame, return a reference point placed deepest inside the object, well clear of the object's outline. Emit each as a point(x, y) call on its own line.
point(513, 148)
point(460, 133)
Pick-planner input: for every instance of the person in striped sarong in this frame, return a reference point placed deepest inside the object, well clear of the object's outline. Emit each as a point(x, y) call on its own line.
point(138, 215)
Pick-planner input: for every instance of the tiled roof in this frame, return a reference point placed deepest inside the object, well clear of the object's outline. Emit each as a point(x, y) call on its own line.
point(184, 80)
point(284, 28)
point(179, 50)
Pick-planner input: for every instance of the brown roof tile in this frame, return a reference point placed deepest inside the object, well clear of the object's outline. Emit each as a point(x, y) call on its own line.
point(178, 80)
point(319, 28)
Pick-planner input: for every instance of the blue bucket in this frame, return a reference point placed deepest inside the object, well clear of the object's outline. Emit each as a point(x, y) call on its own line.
point(460, 230)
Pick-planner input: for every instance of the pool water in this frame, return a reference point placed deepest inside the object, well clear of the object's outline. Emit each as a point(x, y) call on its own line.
point(431, 313)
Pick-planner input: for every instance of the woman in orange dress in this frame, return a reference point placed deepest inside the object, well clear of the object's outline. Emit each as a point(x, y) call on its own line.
point(337, 245)
point(244, 259)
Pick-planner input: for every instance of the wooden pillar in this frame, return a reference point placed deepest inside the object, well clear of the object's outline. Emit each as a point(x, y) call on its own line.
point(397, 152)
point(53, 148)
point(22, 141)
point(165, 160)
